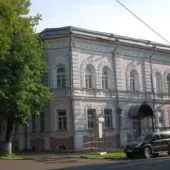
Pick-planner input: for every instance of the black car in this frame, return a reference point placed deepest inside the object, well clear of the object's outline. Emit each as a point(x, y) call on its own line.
point(149, 145)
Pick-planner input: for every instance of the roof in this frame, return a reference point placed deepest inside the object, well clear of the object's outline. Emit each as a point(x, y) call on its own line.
point(54, 32)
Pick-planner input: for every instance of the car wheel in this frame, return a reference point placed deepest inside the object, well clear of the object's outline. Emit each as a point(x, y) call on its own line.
point(168, 153)
point(169, 150)
point(129, 156)
point(147, 152)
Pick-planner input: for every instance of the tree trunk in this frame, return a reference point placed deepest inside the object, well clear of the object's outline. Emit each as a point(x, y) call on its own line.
point(8, 148)
point(8, 137)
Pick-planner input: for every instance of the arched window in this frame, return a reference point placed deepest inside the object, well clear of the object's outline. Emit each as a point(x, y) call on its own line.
point(105, 78)
point(60, 77)
point(158, 79)
point(168, 83)
point(89, 77)
point(133, 80)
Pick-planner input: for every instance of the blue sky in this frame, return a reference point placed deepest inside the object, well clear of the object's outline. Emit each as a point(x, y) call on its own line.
point(106, 16)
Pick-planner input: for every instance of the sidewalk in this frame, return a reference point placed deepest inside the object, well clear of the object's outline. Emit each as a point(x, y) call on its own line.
point(50, 155)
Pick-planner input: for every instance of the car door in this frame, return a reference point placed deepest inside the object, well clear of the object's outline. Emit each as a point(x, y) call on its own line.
point(156, 143)
point(164, 142)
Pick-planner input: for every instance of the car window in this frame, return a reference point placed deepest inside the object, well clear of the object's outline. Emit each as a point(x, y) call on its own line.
point(148, 137)
point(140, 138)
point(156, 137)
point(163, 136)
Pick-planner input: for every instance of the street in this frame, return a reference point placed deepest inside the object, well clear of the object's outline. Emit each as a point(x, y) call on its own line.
point(86, 164)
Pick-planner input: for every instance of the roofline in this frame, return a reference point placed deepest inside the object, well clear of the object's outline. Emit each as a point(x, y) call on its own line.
point(55, 32)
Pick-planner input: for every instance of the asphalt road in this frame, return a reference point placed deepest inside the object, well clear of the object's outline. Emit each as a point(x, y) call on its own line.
point(160, 163)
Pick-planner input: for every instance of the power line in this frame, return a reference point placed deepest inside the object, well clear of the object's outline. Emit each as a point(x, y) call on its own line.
point(142, 21)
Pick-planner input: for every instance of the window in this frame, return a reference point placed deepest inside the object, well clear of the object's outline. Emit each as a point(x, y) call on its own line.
point(133, 80)
point(33, 123)
point(42, 121)
point(91, 118)
point(108, 118)
point(168, 83)
point(159, 118)
point(1, 129)
point(89, 77)
point(60, 77)
point(62, 120)
point(105, 79)
point(156, 137)
point(158, 82)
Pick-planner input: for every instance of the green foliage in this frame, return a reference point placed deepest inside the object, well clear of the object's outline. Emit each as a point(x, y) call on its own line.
point(110, 155)
point(14, 156)
point(21, 67)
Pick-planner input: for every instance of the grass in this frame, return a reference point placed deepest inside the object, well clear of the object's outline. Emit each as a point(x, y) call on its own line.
point(110, 155)
point(13, 156)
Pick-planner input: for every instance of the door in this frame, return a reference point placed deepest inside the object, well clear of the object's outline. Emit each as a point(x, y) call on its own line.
point(164, 142)
point(136, 128)
point(156, 143)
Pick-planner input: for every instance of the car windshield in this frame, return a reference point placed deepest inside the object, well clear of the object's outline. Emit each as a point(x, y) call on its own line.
point(140, 138)
point(148, 137)
point(143, 138)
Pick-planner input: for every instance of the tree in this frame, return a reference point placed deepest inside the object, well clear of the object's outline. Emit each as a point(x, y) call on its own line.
point(22, 92)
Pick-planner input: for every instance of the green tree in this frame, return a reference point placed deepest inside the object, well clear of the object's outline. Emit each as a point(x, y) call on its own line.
point(22, 92)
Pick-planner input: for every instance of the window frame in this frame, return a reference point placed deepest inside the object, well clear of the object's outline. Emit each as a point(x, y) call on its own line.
point(63, 119)
point(91, 119)
point(168, 83)
point(108, 119)
point(61, 77)
point(158, 82)
point(33, 123)
point(133, 80)
point(105, 78)
point(42, 121)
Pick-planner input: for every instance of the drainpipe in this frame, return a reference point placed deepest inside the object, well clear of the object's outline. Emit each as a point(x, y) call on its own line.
point(152, 87)
point(117, 93)
point(71, 84)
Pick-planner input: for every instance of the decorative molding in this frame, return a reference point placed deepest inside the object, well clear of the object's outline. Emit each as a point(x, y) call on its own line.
point(57, 44)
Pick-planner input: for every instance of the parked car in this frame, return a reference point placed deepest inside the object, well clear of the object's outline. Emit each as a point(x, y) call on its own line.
point(150, 145)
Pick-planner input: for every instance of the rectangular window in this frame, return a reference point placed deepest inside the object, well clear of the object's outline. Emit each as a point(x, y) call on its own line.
point(1, 130)
point(102, 82)
point(62, 120)
point(42, 121)
point(60, 81)
point(169, 89)
point(90, 82)
point(132, 85)
point(63, 81)
point(33, 123)
point(108, 118)
point(91, 118)
point(86, 81)
point(106, 83)
point(160, 119)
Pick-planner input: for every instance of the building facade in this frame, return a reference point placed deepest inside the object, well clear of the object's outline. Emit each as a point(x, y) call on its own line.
point(92, 74)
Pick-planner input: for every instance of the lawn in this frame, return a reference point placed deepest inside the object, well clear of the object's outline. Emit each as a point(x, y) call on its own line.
point(110, 155)
point(13, 156)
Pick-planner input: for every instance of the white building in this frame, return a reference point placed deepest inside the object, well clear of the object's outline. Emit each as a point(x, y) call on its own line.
point(90, 74)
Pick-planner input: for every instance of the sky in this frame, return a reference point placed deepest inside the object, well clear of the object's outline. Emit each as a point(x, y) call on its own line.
point(106, 16)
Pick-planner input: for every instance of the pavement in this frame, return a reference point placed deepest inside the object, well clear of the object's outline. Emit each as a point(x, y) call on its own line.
point(55, 161)
point(49, 161)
